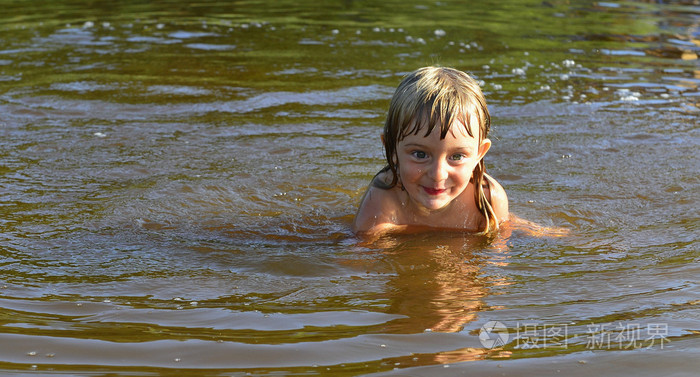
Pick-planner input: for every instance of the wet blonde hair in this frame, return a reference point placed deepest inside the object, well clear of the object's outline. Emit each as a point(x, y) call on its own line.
point(435, 97)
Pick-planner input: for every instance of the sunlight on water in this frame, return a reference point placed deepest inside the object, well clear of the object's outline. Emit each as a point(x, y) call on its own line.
point(178, 182)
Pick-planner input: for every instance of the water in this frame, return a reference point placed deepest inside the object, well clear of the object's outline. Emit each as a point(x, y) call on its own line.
point(178, 182)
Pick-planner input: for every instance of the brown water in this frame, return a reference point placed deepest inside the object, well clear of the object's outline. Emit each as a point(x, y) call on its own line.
point(177, 183)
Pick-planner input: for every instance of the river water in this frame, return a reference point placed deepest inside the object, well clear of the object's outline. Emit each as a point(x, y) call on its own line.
point(178, 180)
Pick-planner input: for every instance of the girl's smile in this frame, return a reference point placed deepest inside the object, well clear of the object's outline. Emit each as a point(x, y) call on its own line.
point(432, 191)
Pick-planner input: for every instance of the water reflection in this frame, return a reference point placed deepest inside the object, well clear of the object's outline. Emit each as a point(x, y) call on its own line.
point(436, 279)
point(438, 284)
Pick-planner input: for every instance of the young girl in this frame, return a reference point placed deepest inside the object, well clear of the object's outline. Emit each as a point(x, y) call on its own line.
point(435, 140)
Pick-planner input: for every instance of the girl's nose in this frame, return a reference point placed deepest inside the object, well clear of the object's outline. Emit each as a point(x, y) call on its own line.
point(438, 172)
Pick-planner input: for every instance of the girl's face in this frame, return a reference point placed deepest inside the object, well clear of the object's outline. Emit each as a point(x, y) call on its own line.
point(434, 172)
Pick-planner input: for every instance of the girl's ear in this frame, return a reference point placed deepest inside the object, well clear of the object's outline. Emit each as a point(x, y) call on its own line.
point(484, 147)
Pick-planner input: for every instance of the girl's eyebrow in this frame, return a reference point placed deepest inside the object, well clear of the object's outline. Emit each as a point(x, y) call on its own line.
point(415, 145)
point(463, 148)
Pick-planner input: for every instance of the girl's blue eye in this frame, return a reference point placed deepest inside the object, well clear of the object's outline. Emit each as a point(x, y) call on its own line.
point(419, 154)
point(457, 157)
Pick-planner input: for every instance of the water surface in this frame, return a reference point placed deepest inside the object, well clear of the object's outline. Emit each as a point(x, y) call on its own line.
point(178, 182)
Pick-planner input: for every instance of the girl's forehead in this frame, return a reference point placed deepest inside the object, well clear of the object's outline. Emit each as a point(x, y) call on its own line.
point(455, 138)
point(458, 129)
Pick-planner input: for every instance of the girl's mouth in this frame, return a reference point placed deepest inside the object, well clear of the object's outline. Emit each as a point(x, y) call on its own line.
point(432, 191)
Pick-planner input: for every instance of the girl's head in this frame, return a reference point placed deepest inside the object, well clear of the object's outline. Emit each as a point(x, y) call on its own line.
point(437, 98)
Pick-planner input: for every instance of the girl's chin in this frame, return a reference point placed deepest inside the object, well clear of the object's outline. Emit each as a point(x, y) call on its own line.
point(428, 202)
point(437, 207)
point(434, 205)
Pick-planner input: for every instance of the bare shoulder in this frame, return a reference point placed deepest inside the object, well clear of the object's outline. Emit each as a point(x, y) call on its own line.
point(499, 199)
point(377, 208)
